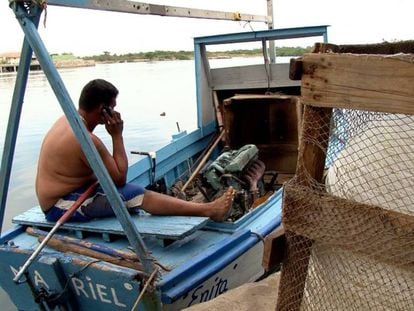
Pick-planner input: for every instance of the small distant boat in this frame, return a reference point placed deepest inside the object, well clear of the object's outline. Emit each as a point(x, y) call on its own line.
point(245, 114)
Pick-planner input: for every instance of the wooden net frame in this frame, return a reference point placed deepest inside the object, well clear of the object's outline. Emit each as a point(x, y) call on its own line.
point(349, 211)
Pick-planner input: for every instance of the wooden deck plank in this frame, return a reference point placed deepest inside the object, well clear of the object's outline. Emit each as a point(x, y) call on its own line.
point(164, 227)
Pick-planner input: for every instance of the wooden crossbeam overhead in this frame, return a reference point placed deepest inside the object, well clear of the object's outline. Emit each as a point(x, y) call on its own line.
point(125, 6)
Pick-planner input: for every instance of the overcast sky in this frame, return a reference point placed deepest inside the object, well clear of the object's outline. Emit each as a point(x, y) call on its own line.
point(85, 32)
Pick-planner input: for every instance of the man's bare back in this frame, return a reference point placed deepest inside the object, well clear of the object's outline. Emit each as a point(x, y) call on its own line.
point(62, 167)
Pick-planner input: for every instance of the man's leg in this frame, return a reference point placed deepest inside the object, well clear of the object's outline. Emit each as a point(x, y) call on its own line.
point(160, 204)
point(131, 194)
point(155, 203)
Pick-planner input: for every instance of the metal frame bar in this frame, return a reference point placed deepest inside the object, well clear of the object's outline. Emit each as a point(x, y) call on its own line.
point(274, 34)
point(125, 6)
point(14, 121)
point(33, 39)
point(272, 51)
point(55, 81)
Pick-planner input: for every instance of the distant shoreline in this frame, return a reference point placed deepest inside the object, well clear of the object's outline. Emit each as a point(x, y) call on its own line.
point(188, 55)
point(68, 60)
point(74, 63)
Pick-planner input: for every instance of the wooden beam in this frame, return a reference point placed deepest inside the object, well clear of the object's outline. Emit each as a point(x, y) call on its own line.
point(125, 6)
point(322, 47)
point(365, 82)
point(368, 230)
point(274, 246)
point(313, 145)
point(66, 247)
point(295, 69)
point(384, 48)
point(378, 48)
point(311, 161)
point(296, 64)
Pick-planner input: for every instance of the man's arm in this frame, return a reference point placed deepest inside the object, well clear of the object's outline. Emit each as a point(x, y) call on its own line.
point(117, 163)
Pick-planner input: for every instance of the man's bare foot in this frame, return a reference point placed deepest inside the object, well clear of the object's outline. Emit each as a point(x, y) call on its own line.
point(221, 206)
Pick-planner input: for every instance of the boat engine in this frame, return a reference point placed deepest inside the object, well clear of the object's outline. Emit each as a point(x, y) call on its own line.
point(240, 169)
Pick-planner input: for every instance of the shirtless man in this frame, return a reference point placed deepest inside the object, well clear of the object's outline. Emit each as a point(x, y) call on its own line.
point(64, 173)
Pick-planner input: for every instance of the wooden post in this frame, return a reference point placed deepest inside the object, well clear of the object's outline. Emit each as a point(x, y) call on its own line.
point(311, 162)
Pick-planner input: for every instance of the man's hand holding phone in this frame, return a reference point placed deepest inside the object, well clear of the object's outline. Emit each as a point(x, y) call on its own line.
point(113, 121)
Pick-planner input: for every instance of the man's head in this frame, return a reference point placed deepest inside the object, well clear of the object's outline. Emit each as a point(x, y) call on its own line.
point(97, 93)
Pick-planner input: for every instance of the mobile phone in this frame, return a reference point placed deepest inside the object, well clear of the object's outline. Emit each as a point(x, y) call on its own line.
point(108, 110)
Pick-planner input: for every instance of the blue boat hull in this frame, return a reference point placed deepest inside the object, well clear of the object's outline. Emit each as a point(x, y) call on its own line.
point(204, 265)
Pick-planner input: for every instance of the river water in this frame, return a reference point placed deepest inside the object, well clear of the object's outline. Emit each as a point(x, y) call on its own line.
point(146, 90)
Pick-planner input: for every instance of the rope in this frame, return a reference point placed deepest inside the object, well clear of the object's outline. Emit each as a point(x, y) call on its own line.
point(153, 274)
point(266, 63)
point(71, 276)
point(162, 266)
point(258, 235)
point(248, 24)
point(43, 5)
point(40, 3)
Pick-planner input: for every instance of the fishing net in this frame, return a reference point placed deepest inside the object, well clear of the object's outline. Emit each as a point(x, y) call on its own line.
point(350, 230)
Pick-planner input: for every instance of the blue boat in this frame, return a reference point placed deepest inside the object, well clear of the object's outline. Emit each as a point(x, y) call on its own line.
point(151, 262)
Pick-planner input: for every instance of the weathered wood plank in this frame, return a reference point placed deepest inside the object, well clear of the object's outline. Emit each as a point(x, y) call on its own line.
point(249, 77)
point(295, 68)
point(378, 48)
point(274, 246)
point(164, 227)
point(366, 82)
point(384, 48)
point(66, 247)
point(100, 247)
point(313, 144)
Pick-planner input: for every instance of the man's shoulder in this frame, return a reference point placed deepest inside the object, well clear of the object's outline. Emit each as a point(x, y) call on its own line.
point(95, 139)
point(60, 137)
point(60, 125)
